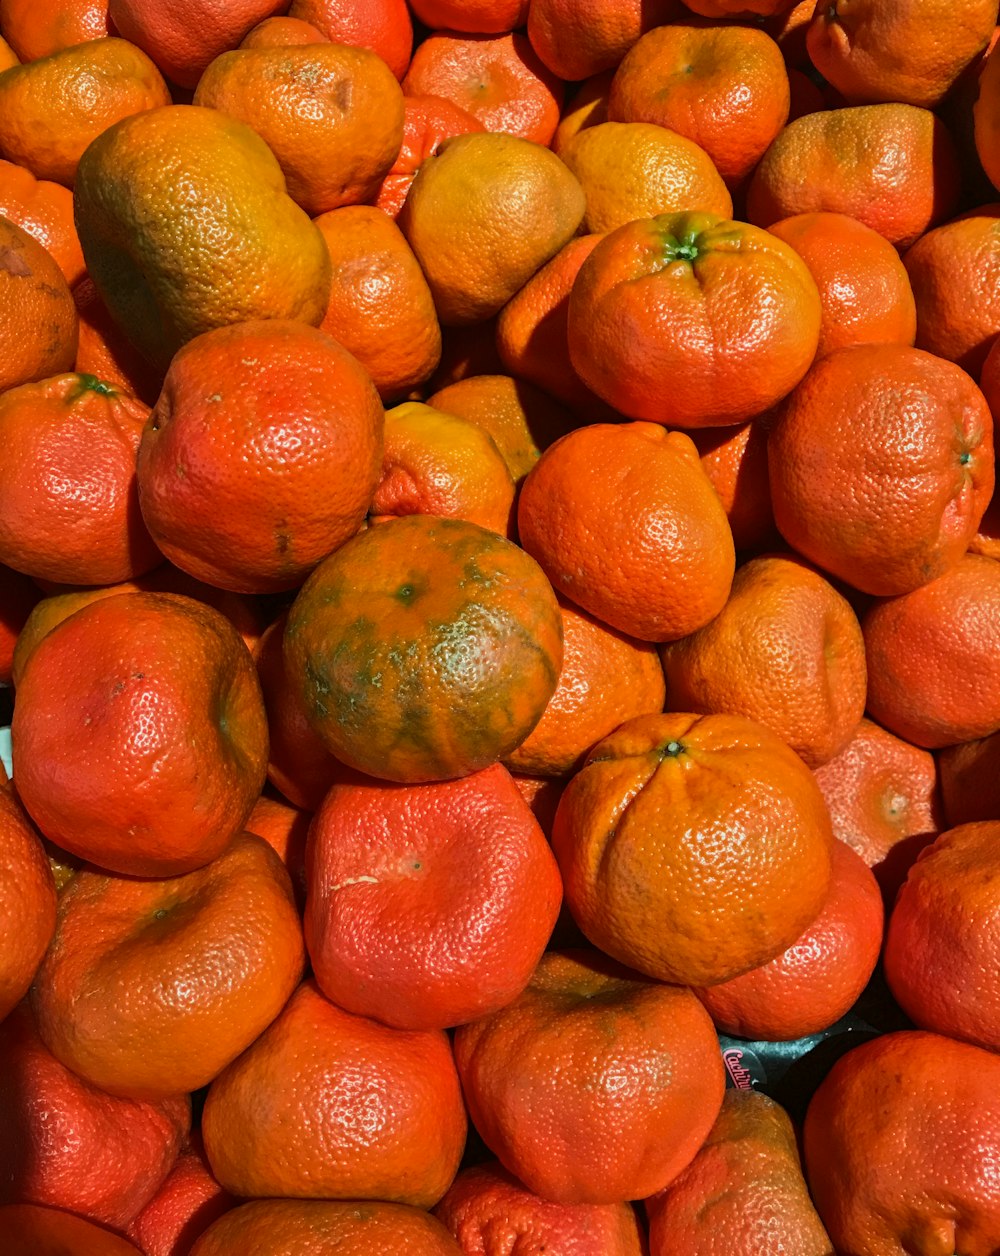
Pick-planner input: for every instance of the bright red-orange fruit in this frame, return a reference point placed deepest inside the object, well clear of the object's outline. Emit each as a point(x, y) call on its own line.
point(428, 905)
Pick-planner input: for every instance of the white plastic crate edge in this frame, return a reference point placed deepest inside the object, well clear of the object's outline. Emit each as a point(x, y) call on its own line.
point(5, 750)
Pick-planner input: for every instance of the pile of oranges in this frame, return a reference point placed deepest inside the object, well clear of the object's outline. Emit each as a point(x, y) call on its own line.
point(500, 586)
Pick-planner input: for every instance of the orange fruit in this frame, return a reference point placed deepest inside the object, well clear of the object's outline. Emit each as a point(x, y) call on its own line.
point(723, 86)
point(692, 320)
point(439, 464)
point(382, 26)
point(326, 1105)
point(588, 106)
point(261, 454)
point(954, 271)
point(51, 109)
point(735, 461)
point(18, 596)
point(883, 798)
point(624, 523)
point(819, 977)
point(521, 419)
point(274, 1227)
point(332, 115)
point(863, 286)
point(693, 848)
point(594, 1086)
point(428, 905)
point(786, 650)
point(284, 828)
point(893, 167)
point(35, 29)
point(95, 1154)
point(970, 781)
point(631, 170)
point(186, 225)
point(105, 352)
point(870, 50)
point(299, 764)
point(27, 905)
point(69, 503)
point(45, 210)
point(499, 79)
point(8, 56)
point(881, 466)
point(38, 321)
point(141, 679)
point(606, 679)
point(483, 215)
point(745, 1182)
point(576, 40)
point(187, 1203)
point(208, 960)
point(427, 122)
point(899, 1141)
point(380, 306)
point(459, 629)
point(531, 331)
point(485, 1200)
point(943, 934)
point(931, 657)
point(184, 39)
point(29, 1230)
point(282, 32)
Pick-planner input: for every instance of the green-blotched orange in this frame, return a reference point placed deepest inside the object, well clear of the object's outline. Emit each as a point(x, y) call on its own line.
point(425, 648)
point(186, 225)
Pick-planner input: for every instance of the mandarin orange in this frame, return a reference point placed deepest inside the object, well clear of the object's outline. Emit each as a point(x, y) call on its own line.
point(881, 466)
point(96, 1155)
point(428, 905)
point(664, 561)
point(51, 109)
point(425, 648)
point(693, 848)
point(744, 1183)
point(498, 79)
point(162, 691)
point(261, 455)
point(595, 1085)
point(203, 963)
point(786, 650)
point(69, 498)
point(898, 1146)
point(380, 307)
point(436, 463)
point(693, 320)
point(332, 115)
point(724, 86)
point(326, 1105)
